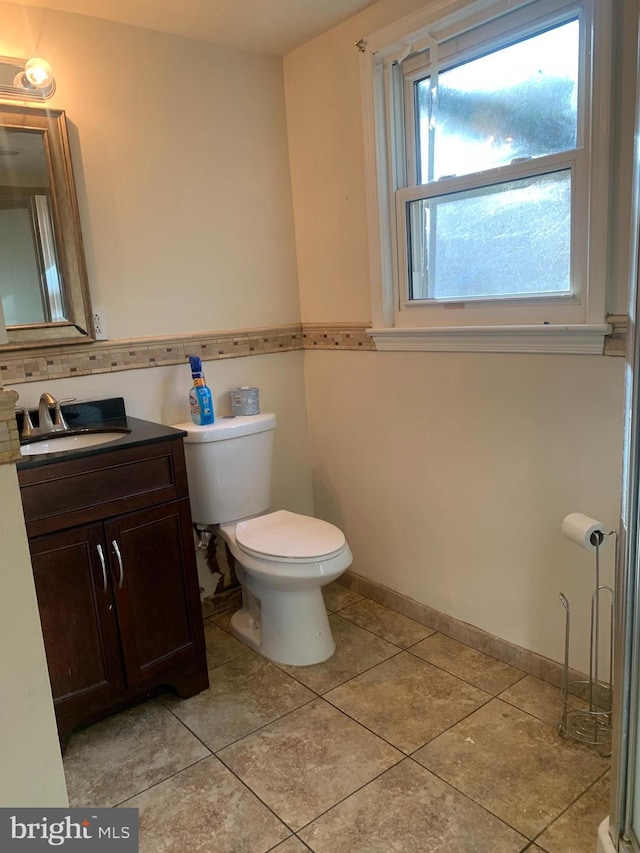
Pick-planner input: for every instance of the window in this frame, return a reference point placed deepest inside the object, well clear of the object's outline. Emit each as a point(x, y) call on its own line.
point(487, 161)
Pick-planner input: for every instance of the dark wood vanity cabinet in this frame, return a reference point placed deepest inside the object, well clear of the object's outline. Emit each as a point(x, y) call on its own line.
point(118, 592)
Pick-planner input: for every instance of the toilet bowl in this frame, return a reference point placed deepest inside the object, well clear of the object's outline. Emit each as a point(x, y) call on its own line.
point(282, 559)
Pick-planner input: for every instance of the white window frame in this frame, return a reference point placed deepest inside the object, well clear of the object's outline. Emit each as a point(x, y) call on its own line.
point(574, 323)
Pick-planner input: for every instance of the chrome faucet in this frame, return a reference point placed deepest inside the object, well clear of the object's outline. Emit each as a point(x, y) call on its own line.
point(45, 423)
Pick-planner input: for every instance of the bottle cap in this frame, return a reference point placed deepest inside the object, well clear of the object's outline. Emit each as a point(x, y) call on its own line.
point(196, 365)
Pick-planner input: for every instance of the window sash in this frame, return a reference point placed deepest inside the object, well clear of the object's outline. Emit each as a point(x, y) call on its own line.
point(437, 57)
point(573, 161)
point(392, 50)
point(429, 64)
point(445, 266)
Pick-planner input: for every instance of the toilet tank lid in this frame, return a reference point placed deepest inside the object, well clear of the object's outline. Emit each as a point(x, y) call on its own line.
point(227, 427)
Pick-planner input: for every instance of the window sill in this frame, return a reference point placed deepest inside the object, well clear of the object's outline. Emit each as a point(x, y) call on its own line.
point(584, 339)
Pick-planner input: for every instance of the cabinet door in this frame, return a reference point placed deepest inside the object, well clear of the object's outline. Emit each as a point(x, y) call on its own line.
point(156, 589)
point(78, 620)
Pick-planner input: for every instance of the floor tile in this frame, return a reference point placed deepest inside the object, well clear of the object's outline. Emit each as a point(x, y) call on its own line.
point(121, 756)
point(208, 608)
point(538, 698)
point(336, 597)
point(356, 650)
point(304, 763)
point(291, 845)
point(386, 623)
point(409, 810)
point(243, 695)
point(478, 669)
point(335, 779)
point(205, 809)
point(516, 766)
point(223, 620)
point(577, 829)
point(407, 701)
point(221, 646)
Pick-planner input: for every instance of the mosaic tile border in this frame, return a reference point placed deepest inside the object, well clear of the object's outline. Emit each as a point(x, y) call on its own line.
point(35, 365)
point(9, 438)
point(349, 336)
point(40, 364)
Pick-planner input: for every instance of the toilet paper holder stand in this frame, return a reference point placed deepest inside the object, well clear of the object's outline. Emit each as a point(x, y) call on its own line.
point(586, 703)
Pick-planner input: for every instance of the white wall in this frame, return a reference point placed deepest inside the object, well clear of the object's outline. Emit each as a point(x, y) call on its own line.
point(450, 472)
point(31, 768)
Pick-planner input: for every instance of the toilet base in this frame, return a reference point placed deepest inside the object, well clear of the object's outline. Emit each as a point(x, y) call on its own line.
point(246, 628)
point(292, 627)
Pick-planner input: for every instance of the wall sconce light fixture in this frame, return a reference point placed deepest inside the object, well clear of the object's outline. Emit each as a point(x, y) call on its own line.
point(26, 80)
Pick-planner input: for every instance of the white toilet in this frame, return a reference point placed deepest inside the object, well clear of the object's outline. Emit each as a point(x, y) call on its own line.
point(282, 558)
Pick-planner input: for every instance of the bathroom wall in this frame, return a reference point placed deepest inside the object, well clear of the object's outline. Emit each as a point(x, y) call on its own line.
point(181, 165)
point(160, 394)
point(450, 472)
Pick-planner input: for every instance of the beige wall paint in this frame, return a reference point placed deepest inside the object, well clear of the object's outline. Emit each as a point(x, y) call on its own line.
point(181, 161)
point(161, 394)
point(450, 472)
point(322, 84)
point(400, 444)
point(31, 769)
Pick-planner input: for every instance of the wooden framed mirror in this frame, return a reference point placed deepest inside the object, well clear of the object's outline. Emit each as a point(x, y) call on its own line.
point(43, 277)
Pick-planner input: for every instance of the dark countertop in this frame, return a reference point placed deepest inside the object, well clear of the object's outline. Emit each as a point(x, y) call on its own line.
point(97, 416)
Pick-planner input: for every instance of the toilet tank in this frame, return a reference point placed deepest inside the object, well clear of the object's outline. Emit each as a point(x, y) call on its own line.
point(229, 467)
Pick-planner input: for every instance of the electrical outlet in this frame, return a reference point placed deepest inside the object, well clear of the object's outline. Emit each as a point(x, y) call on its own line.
point(100, 324)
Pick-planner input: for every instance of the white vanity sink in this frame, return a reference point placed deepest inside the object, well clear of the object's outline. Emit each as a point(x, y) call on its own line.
point(63, 441)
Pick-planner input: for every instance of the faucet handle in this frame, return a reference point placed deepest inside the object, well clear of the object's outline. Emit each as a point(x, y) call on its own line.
point(59, 423)
point(27, 425)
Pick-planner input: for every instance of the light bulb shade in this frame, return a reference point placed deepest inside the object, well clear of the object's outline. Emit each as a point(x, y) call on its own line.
point(38, 73)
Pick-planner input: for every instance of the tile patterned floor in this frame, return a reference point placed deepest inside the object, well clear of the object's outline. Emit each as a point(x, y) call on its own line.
point(404, 742)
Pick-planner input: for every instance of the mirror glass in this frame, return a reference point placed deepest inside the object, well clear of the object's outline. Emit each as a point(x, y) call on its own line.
point(43, 282)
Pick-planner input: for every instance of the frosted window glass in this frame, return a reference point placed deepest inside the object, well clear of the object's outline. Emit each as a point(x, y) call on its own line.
point(518, 102)
point(509, 239)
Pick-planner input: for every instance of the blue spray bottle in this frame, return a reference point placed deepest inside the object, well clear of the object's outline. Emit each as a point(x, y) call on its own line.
point(200, 400)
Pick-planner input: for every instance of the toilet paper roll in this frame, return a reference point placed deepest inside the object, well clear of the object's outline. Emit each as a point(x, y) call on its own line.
point(584, 531)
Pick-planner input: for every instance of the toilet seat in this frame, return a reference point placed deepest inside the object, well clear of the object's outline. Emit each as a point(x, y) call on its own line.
point(288, 537)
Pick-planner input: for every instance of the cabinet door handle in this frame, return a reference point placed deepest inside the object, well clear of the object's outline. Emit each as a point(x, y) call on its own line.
point(104, 567)
point(120, 566)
